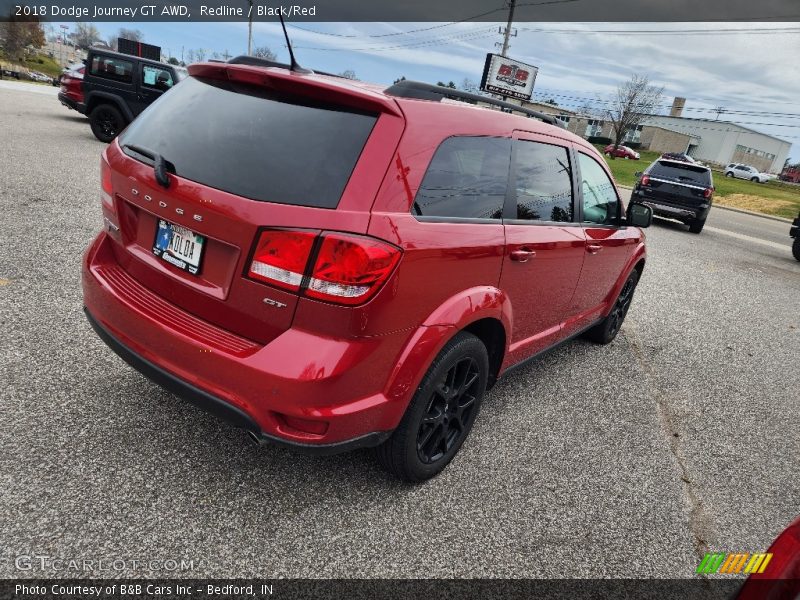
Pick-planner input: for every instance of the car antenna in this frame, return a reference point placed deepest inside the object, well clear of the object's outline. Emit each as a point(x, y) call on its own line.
point(294, 66)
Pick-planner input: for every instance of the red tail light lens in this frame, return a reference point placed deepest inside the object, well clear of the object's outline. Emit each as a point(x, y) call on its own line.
point(708, 192)
point(645, 179)
point(281, 257)
point(105, 176)
point(350, 269)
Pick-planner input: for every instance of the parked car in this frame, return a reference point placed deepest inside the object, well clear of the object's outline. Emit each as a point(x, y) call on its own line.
point(39, 77)
point(746, 172)
point(621, 152)
point(677, 190)
point(71, 93)
point(791, 174)
point(117, 87)
point(356, 266)
point(795, 233)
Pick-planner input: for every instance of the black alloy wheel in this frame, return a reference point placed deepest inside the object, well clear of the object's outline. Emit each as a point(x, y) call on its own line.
point(106, 122)
point(440, 415)
point(450, 411)
point(605, 331)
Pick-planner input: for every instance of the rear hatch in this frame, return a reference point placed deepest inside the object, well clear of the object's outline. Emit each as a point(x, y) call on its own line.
point(677, 183)
point(245, 149)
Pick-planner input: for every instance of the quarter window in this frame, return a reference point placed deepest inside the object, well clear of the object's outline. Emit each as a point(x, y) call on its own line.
point(467, 178)
point(600, 200)
point(112, 68)
point(543, 182)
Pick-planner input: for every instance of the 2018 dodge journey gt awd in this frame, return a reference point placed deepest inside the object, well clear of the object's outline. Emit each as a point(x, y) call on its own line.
point(330, 265)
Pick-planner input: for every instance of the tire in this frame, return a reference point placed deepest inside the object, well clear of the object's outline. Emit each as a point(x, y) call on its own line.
point(627, 157)
point(728, 174)
point(696, 225)
point(441, 413)
point(755, 179)
point(796, 248)
point(605, 331)
point(107, 122)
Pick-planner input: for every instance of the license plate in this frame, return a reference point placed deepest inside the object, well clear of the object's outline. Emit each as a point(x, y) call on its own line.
point(179, 246)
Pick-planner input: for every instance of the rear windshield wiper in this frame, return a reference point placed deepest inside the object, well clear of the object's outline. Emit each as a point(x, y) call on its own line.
point(159, 164)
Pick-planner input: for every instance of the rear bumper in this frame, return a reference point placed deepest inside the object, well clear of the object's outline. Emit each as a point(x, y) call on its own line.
point(70, 102)
point(671, 210)
point(254, 387)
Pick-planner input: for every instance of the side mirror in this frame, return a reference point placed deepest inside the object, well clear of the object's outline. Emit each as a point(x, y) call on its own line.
point(639, 215)
point(637, 174)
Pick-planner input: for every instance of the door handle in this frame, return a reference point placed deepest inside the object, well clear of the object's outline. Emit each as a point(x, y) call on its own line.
point(522, 255)
point(593, 248)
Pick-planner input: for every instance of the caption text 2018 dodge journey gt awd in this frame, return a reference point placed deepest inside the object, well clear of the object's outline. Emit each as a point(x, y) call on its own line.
point(330, 265)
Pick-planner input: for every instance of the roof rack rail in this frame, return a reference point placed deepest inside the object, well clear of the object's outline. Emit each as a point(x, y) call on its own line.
point(255, 61)
point(426, 91)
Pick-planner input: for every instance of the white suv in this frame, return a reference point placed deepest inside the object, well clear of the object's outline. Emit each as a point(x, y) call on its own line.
point(746, 172)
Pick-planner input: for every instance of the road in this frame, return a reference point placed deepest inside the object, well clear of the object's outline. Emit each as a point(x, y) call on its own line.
point(629, 460)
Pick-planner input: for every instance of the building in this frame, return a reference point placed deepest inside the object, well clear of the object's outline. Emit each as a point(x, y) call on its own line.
point(713, 142)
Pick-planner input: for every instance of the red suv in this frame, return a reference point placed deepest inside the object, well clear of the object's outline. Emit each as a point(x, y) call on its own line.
point(71, 92)
point(621, 152)
point(331, 265)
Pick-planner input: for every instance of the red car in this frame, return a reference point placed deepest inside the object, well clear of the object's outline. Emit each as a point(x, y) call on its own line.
point(621, 152)
point(780, 580)
point(331, 265)
point(71, 93)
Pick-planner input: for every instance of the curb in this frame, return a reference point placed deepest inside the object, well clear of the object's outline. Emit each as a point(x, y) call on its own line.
point(738, 210)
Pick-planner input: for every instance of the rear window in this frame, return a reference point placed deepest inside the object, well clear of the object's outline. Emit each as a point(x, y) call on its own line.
point(683, 172)
point(253, 143)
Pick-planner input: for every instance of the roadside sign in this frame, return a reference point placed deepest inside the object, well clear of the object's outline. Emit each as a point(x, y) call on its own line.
point(508, 77)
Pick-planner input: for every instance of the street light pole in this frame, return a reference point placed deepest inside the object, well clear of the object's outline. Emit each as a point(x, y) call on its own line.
point(250, 29)
point(508, 27)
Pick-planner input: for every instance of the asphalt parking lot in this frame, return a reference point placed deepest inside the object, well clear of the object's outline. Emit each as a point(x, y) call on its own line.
point(629, 460)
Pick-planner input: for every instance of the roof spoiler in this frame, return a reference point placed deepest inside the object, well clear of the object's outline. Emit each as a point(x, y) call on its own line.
point(436, 93)
point(277, 77)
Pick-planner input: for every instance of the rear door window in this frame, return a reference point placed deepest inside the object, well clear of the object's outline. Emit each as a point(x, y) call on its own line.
point(543, 182)
point(467, 178)
point(681, 173)
point(252, 142)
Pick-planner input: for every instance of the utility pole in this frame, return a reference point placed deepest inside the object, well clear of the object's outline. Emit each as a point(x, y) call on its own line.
point(511, 4)
point(227, 55)
point(250, 29)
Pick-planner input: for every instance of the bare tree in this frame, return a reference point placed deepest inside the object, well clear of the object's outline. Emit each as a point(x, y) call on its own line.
point(85, 35)
point(201, 54)
point(264, 52)
point(634, 100)
point(131, 34)
point(348, 74)
point(189, 56)
point(468, 85)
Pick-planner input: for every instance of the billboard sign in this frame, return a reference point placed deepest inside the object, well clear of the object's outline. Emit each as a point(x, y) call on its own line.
point(508, 77)
point(139, 49)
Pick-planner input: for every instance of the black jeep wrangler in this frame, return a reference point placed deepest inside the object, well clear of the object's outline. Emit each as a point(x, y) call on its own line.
point(117, 87)
point(795, 233)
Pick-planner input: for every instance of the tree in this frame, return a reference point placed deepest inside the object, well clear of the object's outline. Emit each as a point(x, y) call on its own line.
point(264, 52)
point(131, 34)
point(634, 100)
point(450, 84)
point(551, 102)
point(173, 61)
point(85, 35)
point(348, 74)
point(402, 78)
point(189, 56)
point(201, 54)
point(17, 36)
point(469, 86)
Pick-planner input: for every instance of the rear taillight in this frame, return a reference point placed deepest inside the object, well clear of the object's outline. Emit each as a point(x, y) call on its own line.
point(347, 269)
point(645, 179)
point(708, 192)
point(107, 190)
point(281, 257)
point(350, 269)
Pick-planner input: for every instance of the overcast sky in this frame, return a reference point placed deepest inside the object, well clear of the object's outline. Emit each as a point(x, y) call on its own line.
point(744, 67)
